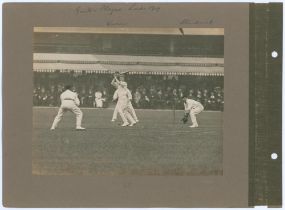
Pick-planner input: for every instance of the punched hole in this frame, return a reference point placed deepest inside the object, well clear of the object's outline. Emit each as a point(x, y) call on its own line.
point(274, 156)
point(274, 54)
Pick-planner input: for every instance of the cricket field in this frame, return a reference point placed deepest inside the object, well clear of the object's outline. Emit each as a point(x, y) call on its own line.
point(158, 145)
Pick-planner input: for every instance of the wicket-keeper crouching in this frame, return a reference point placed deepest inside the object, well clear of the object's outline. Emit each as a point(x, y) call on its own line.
point(192, 108)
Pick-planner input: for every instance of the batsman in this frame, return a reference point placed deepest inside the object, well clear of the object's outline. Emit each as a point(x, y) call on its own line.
point(192, 108)
point(116, 83)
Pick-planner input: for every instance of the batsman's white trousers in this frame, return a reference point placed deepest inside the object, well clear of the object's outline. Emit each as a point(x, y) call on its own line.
point(193, 112)
point(68, 105)
point(127, 112)
point(131, 109)
point(123, 109)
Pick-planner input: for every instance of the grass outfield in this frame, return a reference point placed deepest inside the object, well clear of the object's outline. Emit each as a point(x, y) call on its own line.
point(157, 145)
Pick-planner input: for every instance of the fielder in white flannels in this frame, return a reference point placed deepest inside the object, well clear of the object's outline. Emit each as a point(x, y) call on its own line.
point(69, 102)
point(124, 96)
point(116, 83)
point(193, 108)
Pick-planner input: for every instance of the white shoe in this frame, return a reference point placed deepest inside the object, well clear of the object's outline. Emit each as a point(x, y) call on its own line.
point(52, 129)
point(137, 120)
point(132, 124)
point(113, 120)
point(80, 128)
point(193, 126)
point(125, 124)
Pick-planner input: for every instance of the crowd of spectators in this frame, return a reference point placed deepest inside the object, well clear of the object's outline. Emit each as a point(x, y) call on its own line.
point(149, 91)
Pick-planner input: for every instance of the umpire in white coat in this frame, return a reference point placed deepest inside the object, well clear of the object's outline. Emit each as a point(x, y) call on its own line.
point(69, 102)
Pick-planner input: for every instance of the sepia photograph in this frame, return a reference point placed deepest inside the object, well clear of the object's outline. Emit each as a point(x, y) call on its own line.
point(128, 101)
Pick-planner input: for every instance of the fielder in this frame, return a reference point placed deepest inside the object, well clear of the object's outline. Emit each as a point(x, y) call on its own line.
point(124, 96)
point(116, 83)
point(192, 108)
point(69, 102)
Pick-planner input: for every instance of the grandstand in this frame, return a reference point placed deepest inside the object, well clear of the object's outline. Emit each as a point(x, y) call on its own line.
point(157, 65)
point(163, 54)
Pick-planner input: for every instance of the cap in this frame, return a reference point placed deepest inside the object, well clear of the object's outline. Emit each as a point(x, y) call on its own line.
point(124, 84)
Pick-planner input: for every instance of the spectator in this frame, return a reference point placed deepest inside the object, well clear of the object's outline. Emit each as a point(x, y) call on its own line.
point(43, 97)
point(83, 97)
point(191, 94)
point(180, 93)
point(167, 98)
point(205, 98)
point(35, 97)
point(144, 102)
point(137, 98)
point(153, 98)
point(90, 99)
point(105, 96)
point(99, 100)
point(199, 96)
point(160, 99)
point(52, 96)
point(154, 92)
point(213, 101)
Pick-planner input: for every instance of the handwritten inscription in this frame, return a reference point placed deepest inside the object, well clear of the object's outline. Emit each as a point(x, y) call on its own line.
point(140, 7)
point(115, 23)
point(135, 8)
point(111, 9)
point(103, 9)
point(188, 21)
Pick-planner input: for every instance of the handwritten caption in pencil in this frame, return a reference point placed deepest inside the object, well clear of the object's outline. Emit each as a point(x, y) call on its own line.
point(111, 9)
